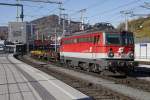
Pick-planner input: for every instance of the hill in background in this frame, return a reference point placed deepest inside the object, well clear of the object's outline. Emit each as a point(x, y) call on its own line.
point(140, 27)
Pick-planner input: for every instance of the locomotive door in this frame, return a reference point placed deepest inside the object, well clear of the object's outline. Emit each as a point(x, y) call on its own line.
point(95, 47)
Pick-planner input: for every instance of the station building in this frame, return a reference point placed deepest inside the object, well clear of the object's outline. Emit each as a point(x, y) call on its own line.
point(19, 32)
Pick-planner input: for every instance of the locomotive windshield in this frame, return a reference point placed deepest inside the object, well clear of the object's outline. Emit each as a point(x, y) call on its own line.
point(119, 39)
point(113, 39)
point(127, 38)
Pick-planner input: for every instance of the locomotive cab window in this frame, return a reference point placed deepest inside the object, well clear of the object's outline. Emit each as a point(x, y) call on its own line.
point(113, 38)
point(127, 38)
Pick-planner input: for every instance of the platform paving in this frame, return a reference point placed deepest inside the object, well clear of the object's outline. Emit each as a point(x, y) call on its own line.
point(19, 81)
point(13, 85)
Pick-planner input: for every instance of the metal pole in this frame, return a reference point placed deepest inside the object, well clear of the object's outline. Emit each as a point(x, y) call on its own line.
point(126, 23)
point(27, 41)
point(32, 39)
point(31, 30)
point(82, 11)
point(60, 10)
point(126, 13)
point(22, 13)
point(17, 11)
point(63, 24)
point(37, 35)
point(55, 40)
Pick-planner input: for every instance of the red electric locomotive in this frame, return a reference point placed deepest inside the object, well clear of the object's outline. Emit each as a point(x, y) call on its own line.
point(99, 50)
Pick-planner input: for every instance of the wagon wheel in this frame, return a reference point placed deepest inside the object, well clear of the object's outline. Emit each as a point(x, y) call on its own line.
point(89, 68)
point(95, 68)
point(100, 70)
point(84, 66)
point(68, 63)
point(80, 66)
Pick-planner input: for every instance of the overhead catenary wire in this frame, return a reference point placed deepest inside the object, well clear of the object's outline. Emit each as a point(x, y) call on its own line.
point(115, 8)
point(67, 1)
point(106, 11)
point(116, 14)
point(86, 8)
point(33, 6)
point(42, 7)
point(92, 6)
point(89, 7)
point(96, 4)
point(146, 5)
point(43, 1)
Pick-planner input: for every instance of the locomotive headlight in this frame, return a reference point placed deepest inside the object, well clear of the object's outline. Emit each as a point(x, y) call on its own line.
point(131, 55)
point(110, 54)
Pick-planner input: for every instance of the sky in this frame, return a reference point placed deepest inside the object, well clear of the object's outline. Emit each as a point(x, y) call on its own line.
point(96, 10)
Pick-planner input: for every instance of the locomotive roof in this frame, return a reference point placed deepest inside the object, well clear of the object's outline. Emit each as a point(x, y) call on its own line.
point(91, 31)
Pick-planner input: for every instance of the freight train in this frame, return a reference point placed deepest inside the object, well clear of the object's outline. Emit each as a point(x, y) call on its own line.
point(97, 51)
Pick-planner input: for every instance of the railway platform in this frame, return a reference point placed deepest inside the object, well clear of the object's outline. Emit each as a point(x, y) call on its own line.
point(142, 60)
point(135, 93)
point(19, 81)
point(145, 63)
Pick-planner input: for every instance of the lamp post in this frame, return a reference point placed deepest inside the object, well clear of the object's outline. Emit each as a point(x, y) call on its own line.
point(55, 40)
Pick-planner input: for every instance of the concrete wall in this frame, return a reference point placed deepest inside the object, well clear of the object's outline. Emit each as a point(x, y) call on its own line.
point(142, 50)
point(18, 32)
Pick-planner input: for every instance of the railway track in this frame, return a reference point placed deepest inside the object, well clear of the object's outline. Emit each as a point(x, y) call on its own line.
point(132, 80)
point(97, 92)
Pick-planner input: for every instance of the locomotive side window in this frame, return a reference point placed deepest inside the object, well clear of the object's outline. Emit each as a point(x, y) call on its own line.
point(86, 39)
point(75, 40)
point(96, 39)
point(80, 40)
point(90, 39)
point(68, 41)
